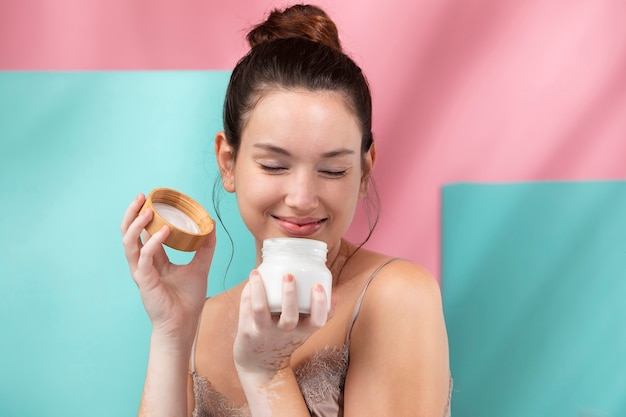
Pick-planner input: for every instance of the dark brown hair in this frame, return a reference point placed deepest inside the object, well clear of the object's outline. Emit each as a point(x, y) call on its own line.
point(299, 21)
point(297, 48)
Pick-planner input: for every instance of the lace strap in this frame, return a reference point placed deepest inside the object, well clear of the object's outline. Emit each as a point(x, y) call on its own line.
point(359, 301)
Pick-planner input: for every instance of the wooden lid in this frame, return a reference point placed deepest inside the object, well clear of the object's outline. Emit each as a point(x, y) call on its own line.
point(180, 238)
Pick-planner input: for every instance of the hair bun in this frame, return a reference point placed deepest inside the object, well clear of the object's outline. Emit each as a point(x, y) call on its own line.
point(298, 21)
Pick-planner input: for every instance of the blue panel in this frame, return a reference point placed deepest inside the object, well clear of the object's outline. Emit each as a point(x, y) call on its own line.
point(534, 282)
point(75, 149)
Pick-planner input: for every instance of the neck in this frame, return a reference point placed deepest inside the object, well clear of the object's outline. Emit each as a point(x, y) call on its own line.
point(339, 258)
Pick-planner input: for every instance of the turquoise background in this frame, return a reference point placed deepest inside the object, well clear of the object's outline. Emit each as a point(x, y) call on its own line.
point(75, 149)
point(534, 288)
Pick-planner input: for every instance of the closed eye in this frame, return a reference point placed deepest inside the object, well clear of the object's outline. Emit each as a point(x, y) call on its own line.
point(272, 169)
point(334, 174)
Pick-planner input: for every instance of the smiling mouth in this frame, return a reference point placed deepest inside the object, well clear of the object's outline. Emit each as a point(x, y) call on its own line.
point(299, 227)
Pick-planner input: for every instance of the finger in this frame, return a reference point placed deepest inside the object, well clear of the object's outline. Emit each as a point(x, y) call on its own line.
point(131, 212)
point(333, 305)
point(131, 239)
point(159, 258)
point(289, 304)
point(146, 258)
point(258, 300)
point(245, 312)
point(204, 255)
point(319, 307)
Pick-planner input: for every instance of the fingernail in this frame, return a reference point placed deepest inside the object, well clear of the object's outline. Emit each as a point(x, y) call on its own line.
point(318, 288)
point(288, 278)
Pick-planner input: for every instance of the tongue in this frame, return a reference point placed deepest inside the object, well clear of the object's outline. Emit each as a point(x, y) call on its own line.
point(300, 229)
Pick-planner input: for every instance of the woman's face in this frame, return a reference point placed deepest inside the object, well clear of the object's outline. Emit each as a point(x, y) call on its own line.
point(298, 172)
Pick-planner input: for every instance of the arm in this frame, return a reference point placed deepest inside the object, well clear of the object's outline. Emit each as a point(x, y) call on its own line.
point(167, 379)
point(265, 343)
point(399, 350)
point(173, 296)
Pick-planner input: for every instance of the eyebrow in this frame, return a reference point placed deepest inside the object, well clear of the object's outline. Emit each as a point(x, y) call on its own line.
point(279, 150)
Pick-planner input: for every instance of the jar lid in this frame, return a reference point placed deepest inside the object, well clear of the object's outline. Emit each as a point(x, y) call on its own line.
point(189, 223)
point(294, 242)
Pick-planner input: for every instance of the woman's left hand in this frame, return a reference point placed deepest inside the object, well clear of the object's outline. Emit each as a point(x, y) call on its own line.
point(265, 342)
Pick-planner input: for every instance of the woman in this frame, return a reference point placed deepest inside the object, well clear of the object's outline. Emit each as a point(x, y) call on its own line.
point(297, 150)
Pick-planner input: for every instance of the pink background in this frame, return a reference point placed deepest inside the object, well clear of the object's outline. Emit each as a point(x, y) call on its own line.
point(491, 90)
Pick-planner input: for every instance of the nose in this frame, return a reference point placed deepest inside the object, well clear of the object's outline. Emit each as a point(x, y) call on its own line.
point(302, 192)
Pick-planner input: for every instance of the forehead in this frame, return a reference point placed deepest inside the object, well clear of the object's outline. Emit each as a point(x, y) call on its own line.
point(303, 117)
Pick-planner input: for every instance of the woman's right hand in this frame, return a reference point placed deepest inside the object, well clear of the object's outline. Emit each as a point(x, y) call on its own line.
point(173, 295)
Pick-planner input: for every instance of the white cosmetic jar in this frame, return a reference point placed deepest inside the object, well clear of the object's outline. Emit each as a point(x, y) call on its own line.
point(305, 259)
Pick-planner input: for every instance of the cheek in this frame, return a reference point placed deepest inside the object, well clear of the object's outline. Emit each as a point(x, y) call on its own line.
point(254, 195)
point(345, 197)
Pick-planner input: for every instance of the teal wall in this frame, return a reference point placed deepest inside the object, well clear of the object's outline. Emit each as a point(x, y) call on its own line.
point(75, 149)
point(534, 287)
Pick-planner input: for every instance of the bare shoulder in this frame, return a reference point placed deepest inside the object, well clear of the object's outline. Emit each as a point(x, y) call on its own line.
point(403, 284)
point(402, 296)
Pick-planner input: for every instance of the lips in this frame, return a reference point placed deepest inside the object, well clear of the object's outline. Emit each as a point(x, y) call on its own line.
point(300, 226)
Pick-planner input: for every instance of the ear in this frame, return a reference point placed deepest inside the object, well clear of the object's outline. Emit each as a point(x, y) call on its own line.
point(225, 155)
point(368, 164)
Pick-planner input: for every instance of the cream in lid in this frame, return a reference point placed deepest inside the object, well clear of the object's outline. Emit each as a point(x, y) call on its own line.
point(176, 217)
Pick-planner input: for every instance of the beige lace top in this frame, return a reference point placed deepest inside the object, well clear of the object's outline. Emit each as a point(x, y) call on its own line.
point(321, 380)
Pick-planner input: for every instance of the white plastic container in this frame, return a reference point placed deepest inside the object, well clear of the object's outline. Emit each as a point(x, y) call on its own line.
point(305, 259)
